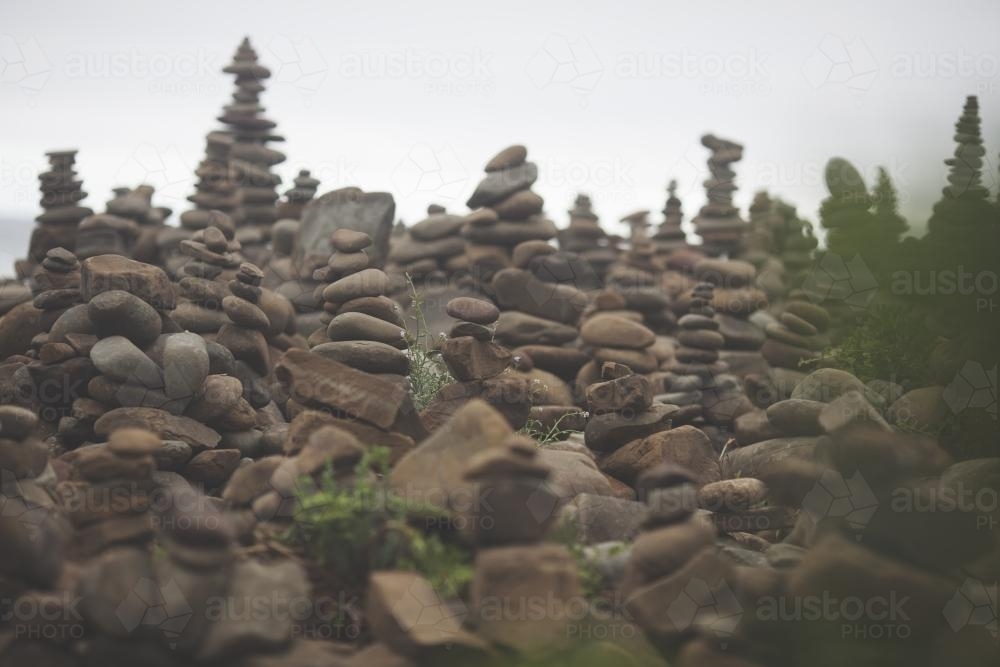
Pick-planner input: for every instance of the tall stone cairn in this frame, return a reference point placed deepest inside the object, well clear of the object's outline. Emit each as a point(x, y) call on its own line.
point(718, 222)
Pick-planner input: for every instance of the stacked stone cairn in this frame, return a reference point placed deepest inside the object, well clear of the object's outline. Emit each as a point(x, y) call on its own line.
point(539, 320)
point(364, 328)
point(735, 300)
point(698, 380)
point(508, 481)
point(505, 213)
point(57, 357)
point(32, 527)
point(622, 409)
point(430, 246)
point(244, 333)
point(108, 493)
point(718, 222)
point(586, 247)
point(800, 334)
point(296, 197)
point(250, 158)
point(213, 258)
point(675, 548)
point(215, 189)
point(479, 366)
point(669, 236)
point(118, 229)
point(57, 225)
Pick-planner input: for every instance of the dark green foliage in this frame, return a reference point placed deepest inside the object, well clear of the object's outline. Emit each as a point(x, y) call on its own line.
point(890, 343)
point(891, 226)
point(354, 529)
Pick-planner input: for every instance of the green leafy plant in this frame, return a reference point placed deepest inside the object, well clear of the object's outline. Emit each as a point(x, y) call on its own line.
point(427, 374)
point(355, 528)
point(891, 343)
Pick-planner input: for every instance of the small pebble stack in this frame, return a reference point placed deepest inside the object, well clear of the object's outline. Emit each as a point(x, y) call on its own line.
point(121, 468)
point(57, 226)
point(364, 327)
point(244, 335)
point(298, 196)
point(622, 409)
point(213, 259)
point(431, 245)
point(718, 222)
point(798, 335)
point(699, 380)
point(505, 212)
point(669, 236)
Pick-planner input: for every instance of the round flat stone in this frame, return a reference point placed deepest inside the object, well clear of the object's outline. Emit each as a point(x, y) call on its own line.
point(477, 311)
point(348, 240)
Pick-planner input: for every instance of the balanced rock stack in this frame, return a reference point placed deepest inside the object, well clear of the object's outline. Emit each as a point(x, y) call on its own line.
point(122, 467)
point(550, 309)
point(215, 189)
point(619, 339)
point(31, 526)
point(797, 336)
point(433, 244)
point(699, 380)
point(622, 409)
point(244, 333)
point(511, 557)
point(117, 230)
point(964, 174)
point(718, 222)
point(676, 548)
point(298, 196)
point(213, 258)
point(364, 327)
point(735, 299)
point(249, 157)
point(506, 212)
point(58, 356)
point(57, 225)
point(478, 364)
point(669, 236)
point(585, 244)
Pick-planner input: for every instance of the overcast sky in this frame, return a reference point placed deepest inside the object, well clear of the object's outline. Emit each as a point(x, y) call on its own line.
point(414, 97)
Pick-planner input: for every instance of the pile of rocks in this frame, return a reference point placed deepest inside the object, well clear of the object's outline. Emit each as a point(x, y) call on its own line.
point(431, 245)
point(364, 327)
point(669, 235)
point(698, 379)
point(296, 198)
point(511, 559)
point(213, 257)
point(508, 212)
point(735, 300)
point(243, 334)
point(586, 244)
point(56, 356)
point(108, 493)
point(478, 364)
point(622, 409)
point(57, 226)
point(618, 338)
point(250, 159)
point(718, 222)
point(797, 336)
point(117, 231)
point(32, 527)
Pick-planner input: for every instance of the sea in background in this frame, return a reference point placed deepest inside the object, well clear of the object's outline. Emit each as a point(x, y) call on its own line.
point(15, 232)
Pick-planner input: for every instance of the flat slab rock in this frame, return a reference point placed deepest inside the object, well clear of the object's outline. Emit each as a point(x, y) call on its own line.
point(324, 383)
point(164, 424)
point(752, 460)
